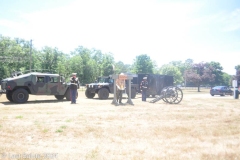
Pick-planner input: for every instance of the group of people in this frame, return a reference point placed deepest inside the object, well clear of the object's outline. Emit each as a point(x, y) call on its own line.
point(120, 87)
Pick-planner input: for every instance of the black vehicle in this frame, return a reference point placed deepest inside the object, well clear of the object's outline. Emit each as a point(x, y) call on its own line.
point(103, 86)
point(156, 83)
point(221, 90)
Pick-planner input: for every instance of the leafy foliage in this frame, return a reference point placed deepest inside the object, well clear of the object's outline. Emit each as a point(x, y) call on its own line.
point(143, 64)
point(90, 64)
point(217, 71)
point(200, 73)
point(237, 67)
point(172, 70)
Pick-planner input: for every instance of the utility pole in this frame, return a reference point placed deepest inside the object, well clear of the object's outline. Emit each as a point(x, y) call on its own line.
point(30, 55)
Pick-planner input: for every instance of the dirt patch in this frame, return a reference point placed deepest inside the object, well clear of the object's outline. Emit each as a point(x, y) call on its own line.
point(200, 127)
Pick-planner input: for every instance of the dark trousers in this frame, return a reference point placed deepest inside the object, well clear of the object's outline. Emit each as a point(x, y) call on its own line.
point(73, 95)
point(144, 95)
point(119, 96)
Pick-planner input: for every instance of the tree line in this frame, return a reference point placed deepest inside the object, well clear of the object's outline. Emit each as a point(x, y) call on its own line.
point(92, 63)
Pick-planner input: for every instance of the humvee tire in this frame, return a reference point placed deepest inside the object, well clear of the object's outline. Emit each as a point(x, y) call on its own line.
point(103, 93)
point(68, 95)
point(9, 96)
point(133, 93)
point(89, 94)
point(20, 96)
point(59, 97)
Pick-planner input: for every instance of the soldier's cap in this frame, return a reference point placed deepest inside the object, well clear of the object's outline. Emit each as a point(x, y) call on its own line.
point(74, 74)
point(144, 77)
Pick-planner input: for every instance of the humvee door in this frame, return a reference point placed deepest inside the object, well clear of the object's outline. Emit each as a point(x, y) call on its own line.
point(39, 85)
point(55, 85)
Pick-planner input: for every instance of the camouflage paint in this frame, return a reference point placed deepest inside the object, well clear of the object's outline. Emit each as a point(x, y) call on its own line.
point(29, 82)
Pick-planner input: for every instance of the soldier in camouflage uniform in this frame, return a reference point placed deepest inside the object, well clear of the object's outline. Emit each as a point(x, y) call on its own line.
point(73, 87)
point(144, 87)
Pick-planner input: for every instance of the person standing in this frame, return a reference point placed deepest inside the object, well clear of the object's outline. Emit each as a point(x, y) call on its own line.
point(73, 87)
point(120, 87)
point(144, 87)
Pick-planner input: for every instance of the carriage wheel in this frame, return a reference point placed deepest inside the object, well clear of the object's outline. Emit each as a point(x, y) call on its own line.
point(173, 95)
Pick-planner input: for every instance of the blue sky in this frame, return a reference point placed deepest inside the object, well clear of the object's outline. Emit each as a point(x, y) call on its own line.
point(202, 30)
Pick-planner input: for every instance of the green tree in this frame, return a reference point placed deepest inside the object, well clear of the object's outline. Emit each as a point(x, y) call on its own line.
point(171, 70)
point(200, 73)
point(49, 58)
point(120, 67)
point(107, 64)
point(76, 65)
point(237, 67)
point(217, 70)
point(143, 64)
point(14, 55)
point(98, 58)
point(226, 79)
point(86, 56)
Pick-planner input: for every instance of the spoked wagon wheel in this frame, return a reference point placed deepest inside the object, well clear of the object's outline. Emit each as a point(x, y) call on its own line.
point(173, 95)
point(163, 93)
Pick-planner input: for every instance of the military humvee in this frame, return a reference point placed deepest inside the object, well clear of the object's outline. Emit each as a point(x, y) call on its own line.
point(18, 87)
point(103, 86)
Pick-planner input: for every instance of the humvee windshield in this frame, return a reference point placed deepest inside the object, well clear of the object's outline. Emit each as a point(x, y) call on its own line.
point(105, 80)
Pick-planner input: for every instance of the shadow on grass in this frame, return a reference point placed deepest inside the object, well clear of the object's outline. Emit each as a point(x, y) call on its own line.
point(35, 102)
point(111, 98)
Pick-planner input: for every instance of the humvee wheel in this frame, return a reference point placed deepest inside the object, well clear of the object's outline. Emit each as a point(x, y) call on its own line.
point(89, 94)
point(103, 93)
point(133, 93)
point(68, 95)
point(20, 96)
point(9, 96)
point(59, 97)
